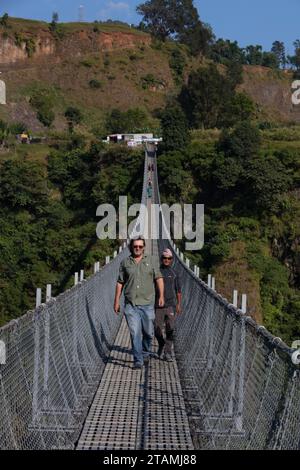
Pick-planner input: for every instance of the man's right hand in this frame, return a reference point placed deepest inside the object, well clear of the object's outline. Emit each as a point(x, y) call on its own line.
point(117, 307)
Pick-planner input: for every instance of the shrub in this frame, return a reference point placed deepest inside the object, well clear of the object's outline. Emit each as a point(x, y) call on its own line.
point(43, 101)
point(30, 46)
point(95, 84)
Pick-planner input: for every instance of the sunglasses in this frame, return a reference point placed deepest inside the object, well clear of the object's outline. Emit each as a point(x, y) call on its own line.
point(138, 247)
point(166, 257)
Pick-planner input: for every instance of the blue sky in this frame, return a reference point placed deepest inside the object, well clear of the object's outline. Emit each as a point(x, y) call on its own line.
point(247, 21)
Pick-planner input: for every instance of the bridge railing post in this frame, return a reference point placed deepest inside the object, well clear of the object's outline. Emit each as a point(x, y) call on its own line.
point(46, 350)
point(240, 401)
point(38, 298)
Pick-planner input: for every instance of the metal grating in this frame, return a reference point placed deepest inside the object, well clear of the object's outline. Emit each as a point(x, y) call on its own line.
point(136, 409)
point(166, 422)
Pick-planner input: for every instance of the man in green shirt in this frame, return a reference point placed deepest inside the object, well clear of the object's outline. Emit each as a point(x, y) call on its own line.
point(137, 276)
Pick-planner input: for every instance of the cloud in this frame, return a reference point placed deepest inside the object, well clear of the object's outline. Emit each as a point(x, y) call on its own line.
point(113, 8)
point(117, 6)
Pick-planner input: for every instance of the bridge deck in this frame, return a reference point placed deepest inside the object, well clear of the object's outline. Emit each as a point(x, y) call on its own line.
point(136, 409)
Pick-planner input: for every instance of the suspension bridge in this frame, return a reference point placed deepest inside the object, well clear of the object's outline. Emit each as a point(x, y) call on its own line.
point(67, 382)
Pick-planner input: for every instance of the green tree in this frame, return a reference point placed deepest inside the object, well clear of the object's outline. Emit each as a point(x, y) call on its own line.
point(174, 127)
point(190, 30)
point(177, 63)
point(203, 96)
point(295, 59)
point(266, 181)
point(269, 59)
point(132, 120)
point(242, 143)
point(235, 148)
point(225, 51)
point(42, 100)
point(278, 49)
point(4, 20)
point(73, 116)
point(254, 55)
point(178, 19)
point(22, 186)
point(158, 17)
point(239, 108)
point(53, 24)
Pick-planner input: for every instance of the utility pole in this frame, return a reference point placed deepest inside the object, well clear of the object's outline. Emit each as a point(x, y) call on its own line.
point(81, 13)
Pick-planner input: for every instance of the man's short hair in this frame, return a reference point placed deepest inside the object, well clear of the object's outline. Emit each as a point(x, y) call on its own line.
point(134, 240)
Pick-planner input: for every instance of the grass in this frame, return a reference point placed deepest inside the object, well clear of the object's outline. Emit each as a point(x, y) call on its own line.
point(30, 152)
point(286, 134)
point(205, 135)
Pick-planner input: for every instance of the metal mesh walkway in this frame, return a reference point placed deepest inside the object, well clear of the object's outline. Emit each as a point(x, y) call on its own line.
point(241, 385)
point(136, 409)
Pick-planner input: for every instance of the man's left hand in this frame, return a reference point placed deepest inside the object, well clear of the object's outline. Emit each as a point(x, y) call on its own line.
point(178, 309)
point(161, 302)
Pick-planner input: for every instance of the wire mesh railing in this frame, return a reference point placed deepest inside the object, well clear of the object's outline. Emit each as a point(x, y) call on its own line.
point(241, 384)
point(242, 389)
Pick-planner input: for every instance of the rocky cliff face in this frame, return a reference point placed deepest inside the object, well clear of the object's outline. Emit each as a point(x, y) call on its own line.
point(10, 53)
point(76, 44)
point(272, 91)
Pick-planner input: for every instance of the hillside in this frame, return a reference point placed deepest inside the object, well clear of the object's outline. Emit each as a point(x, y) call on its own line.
point(129, 69)
point(49, 191)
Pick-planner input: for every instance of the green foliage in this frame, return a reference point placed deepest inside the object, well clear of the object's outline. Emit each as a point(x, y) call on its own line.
point(200, 98)
point(18, 127)
point(53, 24)
point(209, 98)
point(176, 182)
point(19, 39)
point(90, 62)
point(239, 108)
point(42, 100)
point(278, 49)
point(176, 18)
point(73, 116)
point(132, 120)
point(46, 116)
point(30, 46)
point(241, 143)
point(225, 52)
point(177, 63)
point(17, 189)
point(269, 59)
point(279, 301)
point(174, 127)
point(4, 20)
point(150, 80)
point(46, 239)
point(267, 181)
point(95, 84)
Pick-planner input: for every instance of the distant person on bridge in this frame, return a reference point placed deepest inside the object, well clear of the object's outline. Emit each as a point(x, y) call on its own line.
point(165, 316)
point(138, 275)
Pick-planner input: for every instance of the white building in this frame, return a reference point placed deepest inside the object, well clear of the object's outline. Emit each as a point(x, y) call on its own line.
point(132, 140)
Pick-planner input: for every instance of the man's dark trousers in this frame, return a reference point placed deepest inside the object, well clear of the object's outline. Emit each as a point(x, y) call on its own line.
point(165, 317)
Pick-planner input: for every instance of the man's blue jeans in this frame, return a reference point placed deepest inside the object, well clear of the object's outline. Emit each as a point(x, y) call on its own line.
point(140, 321)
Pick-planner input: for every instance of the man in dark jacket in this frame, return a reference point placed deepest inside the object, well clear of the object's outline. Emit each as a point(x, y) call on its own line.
point(165, 316)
